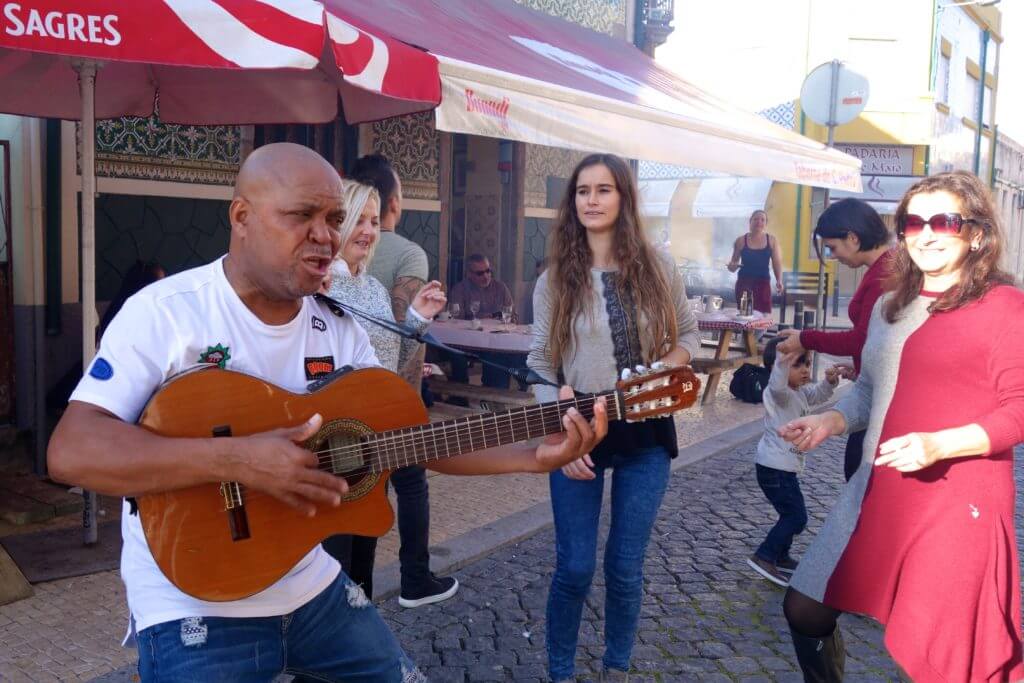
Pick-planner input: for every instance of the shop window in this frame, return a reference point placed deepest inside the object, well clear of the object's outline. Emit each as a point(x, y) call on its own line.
point(942, 80)
point(971, 97)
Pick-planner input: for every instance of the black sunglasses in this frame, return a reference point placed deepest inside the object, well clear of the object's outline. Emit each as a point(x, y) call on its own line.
point(912, 225)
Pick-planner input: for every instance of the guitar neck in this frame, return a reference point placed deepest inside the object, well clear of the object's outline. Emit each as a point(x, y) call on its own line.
point(437, 440)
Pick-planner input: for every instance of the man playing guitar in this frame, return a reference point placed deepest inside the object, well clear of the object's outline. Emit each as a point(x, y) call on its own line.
point(251, 312)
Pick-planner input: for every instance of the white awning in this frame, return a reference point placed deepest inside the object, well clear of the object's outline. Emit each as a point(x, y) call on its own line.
point(882, 192)
point(514, 73)
point(656, 197)
point(732, 197)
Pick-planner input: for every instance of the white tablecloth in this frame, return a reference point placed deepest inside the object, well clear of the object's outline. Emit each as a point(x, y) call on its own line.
point(492, 337)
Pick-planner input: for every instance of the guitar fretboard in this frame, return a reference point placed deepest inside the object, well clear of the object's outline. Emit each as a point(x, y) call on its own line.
point(413, 445)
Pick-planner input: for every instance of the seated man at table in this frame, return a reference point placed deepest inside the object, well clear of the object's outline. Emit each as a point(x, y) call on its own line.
point(490, 296)
point(480, 286)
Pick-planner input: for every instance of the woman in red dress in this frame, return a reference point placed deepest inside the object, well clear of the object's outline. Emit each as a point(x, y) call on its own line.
point(923, 541)
point(857, 237)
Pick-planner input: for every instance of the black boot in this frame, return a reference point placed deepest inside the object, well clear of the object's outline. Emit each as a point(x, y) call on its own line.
point(821, 659)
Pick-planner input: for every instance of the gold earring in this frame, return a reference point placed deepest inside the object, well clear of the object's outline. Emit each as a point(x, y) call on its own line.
point(975, 247)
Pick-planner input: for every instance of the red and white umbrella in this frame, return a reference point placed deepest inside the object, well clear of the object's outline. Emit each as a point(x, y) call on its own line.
point(200, 62)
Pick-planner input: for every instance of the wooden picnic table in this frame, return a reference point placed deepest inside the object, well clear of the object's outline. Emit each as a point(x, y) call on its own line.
point(728, 325)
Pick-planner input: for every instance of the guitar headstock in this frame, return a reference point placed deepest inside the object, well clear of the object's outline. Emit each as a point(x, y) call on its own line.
point(656, 391)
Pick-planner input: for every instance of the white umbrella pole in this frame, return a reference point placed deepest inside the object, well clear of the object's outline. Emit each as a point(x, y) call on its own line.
point(87, 85)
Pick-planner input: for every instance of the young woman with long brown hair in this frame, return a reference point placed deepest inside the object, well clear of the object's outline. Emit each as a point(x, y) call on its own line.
point(606, 303)
point(923, 541)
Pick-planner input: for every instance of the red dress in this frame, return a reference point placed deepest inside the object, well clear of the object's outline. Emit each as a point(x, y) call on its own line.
point(932, 554)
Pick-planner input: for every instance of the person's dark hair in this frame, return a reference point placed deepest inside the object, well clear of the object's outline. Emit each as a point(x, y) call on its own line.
point(376, 170)
point(980, 270)
point(640, 274)
point(770, 351)
point(856, 216)
point(138, 276)
point(476, 258)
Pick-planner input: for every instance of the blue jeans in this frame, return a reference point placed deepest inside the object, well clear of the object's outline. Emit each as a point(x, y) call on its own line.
point(358, 553)
point(782, 489)
point(336, 636)
point(638, 485)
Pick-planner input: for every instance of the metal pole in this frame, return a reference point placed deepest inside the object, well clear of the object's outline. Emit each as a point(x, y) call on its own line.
point(981, 102)
point(819, 309)
point(87, 86)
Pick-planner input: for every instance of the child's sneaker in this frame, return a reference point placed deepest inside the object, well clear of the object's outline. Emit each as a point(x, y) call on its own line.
point(768, 570)
point(786, 565)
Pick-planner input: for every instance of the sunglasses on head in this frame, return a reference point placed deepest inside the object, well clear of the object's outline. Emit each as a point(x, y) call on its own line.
point(912, 225)
point(485, 271)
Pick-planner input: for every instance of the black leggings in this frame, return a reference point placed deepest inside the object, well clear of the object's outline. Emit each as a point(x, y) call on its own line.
point(854, 453)
point(807, 616)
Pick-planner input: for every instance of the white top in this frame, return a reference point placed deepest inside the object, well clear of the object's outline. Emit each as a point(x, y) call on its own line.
point(781, 405)
point(171, 326)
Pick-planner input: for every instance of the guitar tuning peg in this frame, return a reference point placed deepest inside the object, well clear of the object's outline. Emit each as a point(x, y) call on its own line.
point(626, 373)
point(641, 370)
point(658, 365)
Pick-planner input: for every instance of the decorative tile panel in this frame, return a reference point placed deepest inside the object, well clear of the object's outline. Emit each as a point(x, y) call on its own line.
point(413, 146)
point(176, 233)
point(604, 16)
point(543, 164)
point(483, 214)
point(423, 228)
point(535, 244)
point(146, 149)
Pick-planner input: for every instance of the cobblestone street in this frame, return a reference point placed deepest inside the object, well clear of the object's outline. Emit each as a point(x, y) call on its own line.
point(706, 615)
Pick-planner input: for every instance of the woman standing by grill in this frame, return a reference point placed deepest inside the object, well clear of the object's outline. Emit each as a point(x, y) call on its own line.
point(752, 254)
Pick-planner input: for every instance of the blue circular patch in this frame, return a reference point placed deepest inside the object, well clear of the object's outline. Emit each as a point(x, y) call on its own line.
point(101, 370)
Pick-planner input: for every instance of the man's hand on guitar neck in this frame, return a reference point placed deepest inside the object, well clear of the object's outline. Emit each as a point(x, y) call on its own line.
point(275, 463)
point(578, 439)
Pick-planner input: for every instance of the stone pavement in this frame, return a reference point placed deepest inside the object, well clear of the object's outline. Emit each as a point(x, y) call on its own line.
point(706, 615)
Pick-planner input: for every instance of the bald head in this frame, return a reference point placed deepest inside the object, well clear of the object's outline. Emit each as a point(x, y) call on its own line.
point(280, 164)
point(285, 217)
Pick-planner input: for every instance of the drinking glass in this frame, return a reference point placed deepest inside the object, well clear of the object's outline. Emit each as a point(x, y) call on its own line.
point(506, 315)
point(474, 307)
point(456, 311)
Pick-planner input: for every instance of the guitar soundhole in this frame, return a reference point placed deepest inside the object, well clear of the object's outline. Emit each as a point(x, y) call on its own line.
point(347, 457)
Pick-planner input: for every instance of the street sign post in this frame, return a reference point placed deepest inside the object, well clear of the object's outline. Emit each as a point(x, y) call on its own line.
point(831, 95)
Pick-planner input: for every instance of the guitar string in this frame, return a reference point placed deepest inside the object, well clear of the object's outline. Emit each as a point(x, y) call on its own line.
point(535, 416)
point(425, 435)
point(376, 464)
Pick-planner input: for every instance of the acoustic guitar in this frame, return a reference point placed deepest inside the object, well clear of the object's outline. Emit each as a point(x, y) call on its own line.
point(224, 542)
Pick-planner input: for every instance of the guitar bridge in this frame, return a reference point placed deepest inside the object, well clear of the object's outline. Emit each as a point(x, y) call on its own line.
point(238, 520)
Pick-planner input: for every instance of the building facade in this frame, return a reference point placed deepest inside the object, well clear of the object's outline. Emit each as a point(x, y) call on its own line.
point(932, 68)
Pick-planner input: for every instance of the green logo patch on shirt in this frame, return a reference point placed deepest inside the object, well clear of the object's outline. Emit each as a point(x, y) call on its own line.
point(216, 355)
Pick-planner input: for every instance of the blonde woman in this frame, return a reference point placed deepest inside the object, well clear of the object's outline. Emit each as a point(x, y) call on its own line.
point(351, 283)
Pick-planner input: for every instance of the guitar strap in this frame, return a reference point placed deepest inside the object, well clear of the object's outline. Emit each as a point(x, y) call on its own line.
point(338, 308)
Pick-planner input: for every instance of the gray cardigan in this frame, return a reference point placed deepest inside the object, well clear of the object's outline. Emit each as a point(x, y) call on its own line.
point(607, 340)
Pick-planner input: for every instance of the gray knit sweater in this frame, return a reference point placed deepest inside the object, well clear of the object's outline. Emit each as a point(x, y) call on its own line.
point(367, 293)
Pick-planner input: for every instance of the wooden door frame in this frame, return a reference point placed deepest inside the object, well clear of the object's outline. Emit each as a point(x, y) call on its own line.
point(7, 366)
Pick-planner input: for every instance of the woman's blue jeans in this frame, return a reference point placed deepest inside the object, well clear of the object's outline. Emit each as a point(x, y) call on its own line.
point(638, 485)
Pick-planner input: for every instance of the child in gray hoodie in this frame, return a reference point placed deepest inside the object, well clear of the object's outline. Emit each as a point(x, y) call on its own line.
point(789, 395)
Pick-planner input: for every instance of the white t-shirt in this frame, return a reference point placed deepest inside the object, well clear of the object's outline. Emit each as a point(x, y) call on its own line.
point(171, 326)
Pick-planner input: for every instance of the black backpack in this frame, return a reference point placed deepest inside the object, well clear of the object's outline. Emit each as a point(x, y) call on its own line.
point(749, 382)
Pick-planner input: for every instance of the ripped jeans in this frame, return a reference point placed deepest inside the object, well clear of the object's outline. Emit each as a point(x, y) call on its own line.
point(336, 636)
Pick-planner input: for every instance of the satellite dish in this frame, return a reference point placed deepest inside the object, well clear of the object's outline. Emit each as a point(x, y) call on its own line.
point(849, 94)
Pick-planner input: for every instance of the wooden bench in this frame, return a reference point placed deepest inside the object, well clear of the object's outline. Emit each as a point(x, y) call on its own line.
point(488, 398)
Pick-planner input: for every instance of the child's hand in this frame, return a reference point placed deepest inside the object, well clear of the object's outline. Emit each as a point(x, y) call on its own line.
point(834, 373)
point(787, 359)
